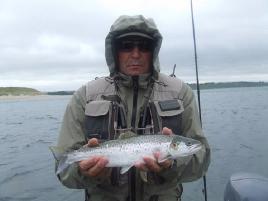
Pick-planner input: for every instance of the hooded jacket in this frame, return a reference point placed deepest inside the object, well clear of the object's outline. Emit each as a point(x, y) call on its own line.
point(89, 101)
point(125, 24)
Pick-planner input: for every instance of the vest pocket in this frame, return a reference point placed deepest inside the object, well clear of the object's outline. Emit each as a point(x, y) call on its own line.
point(97, 119)
point(170, 113)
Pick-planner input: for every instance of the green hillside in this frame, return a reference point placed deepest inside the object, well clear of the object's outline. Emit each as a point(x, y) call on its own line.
point(18, 91)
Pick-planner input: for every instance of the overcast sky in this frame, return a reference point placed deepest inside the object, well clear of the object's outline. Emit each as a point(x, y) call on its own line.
point(59, 45)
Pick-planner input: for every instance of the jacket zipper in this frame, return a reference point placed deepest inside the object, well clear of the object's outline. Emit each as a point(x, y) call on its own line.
point(132, 173)
point(135, 100)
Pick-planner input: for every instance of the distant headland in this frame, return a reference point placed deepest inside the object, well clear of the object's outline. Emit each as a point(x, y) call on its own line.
point(19, 91)
point(218, 85)
point(24, 91)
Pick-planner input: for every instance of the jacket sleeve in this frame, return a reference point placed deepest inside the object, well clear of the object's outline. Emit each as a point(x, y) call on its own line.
point(72, 136)
point(193, 167)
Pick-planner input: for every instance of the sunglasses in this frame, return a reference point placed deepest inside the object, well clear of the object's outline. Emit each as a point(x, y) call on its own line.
point(129, 45)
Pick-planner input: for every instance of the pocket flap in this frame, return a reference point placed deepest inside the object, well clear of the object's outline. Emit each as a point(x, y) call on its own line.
point(97, 108)
point(169, 107)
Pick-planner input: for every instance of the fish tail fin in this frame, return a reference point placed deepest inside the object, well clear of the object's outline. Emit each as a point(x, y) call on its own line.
point(57, 153)
point(60, 158)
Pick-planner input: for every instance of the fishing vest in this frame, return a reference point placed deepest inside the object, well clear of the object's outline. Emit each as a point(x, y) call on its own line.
point(106, 119)
point(106, 114)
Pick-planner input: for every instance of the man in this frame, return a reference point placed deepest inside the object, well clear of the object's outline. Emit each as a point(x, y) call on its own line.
point(135, 97)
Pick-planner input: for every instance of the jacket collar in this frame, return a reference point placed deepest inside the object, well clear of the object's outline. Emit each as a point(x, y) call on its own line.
point(128, 81)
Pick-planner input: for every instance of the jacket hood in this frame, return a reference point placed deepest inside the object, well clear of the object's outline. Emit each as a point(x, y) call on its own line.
point(126, 24)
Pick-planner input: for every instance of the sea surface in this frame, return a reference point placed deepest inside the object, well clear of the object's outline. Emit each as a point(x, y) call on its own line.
point(235, 121)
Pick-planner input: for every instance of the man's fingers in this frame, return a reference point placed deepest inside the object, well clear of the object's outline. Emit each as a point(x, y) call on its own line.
point(98, 168)
point(93, 142)
point(87, 164)
point(94, 166)
point(141, 166)
point(166, 164)
point(152, 165)
point(167, 131)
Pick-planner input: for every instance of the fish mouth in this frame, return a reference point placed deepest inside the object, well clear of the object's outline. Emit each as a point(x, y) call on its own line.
point(184, 150)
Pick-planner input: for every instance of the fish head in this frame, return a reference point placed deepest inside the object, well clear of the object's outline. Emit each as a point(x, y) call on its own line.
point(182, 146)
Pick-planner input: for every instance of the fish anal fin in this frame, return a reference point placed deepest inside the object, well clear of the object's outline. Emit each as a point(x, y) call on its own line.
point(125, 169)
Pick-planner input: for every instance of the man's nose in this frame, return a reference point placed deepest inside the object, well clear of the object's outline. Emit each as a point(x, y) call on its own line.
point(135, 52)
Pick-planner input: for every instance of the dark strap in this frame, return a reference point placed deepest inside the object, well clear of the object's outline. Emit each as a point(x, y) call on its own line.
point(87, 195)
point(115, 176)
point(132, 184)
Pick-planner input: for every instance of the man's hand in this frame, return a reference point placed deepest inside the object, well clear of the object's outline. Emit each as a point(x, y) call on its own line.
point(94, 167)
point(152, 164)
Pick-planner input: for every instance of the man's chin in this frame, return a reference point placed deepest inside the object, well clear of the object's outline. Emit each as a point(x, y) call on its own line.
point(132, 71)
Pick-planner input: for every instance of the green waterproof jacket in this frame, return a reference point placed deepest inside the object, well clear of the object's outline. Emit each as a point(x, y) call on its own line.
point(88, 100)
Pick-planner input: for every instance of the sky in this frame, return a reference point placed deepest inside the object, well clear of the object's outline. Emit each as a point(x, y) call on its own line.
point(53, 45)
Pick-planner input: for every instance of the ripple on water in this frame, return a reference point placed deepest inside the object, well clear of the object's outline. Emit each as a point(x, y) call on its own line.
point(14, 123)
point(52, 117)
point(42, 141)
point(4, 137)
point(36, 142)
point(18, 174)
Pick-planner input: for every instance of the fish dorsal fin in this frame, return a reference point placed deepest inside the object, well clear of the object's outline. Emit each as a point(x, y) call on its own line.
point(126, 135)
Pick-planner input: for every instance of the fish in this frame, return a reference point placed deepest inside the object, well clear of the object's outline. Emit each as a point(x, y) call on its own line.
point(127, 152)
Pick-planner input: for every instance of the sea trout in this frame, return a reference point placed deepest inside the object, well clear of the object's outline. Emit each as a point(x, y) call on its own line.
point(125, 153)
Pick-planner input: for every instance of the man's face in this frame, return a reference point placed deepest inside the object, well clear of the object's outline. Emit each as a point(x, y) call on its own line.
point(134, 55)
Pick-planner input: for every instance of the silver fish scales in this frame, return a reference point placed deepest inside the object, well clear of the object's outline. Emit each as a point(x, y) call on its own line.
point(125, 153)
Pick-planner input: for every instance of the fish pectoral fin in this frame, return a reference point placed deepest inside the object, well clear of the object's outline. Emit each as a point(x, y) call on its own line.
point(161, 160)
point(125, 169)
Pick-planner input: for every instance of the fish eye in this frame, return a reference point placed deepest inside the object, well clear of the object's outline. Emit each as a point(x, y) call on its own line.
point(173, 145)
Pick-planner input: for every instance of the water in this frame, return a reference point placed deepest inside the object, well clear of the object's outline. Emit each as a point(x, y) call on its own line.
point(234, 120)
point(27, 129)
point(235, 123)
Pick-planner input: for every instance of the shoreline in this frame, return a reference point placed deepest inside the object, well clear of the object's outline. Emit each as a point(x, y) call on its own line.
point(31, 97)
